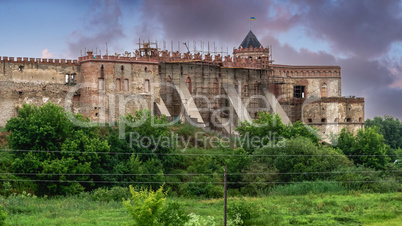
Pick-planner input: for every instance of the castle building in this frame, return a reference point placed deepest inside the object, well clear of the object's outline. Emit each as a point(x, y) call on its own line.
point(210, 91)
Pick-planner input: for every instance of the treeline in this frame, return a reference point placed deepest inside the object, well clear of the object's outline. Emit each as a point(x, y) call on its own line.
point(50, 155)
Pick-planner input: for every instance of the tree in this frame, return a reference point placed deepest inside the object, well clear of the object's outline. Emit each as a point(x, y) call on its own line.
point(390, 128)
point(367, 148)
point(268, 130)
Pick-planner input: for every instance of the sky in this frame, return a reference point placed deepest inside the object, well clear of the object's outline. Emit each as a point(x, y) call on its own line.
point(364, 37)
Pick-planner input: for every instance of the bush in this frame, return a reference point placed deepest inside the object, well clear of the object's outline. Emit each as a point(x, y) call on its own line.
point(3, 216)
point(173, 214)
point(145, 205)
point(309, 188)
point(240, 212)
point(110, 194)
point(366, 142)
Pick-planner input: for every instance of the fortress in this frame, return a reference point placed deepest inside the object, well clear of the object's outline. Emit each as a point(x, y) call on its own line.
point(207, 90)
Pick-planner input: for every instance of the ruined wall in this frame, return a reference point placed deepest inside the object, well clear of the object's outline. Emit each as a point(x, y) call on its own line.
point(33, 81)
point(334, 113)
point(114, 87)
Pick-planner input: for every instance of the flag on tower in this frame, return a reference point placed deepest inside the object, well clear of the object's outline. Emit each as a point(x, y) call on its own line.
point(252, 18)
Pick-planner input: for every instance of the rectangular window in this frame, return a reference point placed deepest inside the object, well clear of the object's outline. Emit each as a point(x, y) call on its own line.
point(126, 85)
point(299, 91)
point(118, 85)
point(101, 84)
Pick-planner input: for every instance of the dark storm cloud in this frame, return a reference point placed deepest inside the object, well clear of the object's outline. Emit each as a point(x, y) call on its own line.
point(205, 20)
point(101, 25)
point(362, 28)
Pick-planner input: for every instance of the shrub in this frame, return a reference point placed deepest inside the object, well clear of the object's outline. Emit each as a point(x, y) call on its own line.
point(173, 214)
point(145, 205)
point(197, 220)
point(240, 212)
point(110, 194)
point(366, 142)
point(3, 216)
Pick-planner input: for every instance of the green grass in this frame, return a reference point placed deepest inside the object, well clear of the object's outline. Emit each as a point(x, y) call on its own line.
point(2, 129)
point(352, 208)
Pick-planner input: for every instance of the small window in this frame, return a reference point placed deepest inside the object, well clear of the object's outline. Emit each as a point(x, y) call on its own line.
point(348, 119)
point(336, 120)
point(21, 68)
point(323, 120)
point(67, 78)
point(122, 68)
point(310, 120)
point(145, 69)
point(102, 67)
point(360, 119)
point(181, 70)
point(72, 78)
point(96, 114)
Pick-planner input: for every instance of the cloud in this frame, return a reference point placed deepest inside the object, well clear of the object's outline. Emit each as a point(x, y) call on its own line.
point(360, 28)
point(47, 54)
point(102, 25)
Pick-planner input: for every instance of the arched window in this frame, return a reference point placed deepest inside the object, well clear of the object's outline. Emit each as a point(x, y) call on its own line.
point(216, 87)
point(189, 84)
point(145, 69)
point(336, 120)
point(324, 90)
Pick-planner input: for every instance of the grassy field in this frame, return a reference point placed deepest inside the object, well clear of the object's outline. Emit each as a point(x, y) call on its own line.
point(324, 209)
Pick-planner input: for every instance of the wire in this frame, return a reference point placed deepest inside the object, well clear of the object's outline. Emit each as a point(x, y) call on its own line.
point(188, 174)
point(183, 154)
point(191, 182)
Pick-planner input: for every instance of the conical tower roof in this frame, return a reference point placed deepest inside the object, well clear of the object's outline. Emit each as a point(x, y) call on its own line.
point(250, 40)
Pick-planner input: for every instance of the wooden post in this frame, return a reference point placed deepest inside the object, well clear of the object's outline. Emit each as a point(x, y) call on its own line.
point(225, 195)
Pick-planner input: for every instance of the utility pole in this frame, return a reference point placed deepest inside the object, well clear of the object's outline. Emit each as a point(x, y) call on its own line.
point(225, 195)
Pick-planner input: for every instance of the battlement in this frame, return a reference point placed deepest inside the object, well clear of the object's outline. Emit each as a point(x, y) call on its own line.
point(250, 49)
point(26, 60)
point(166, 56)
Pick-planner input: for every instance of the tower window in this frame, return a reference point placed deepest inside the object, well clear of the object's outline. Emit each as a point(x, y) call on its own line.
point(122, 68)
point(323, 120)
point(145, 69)
point(21, 68)
point(310, 120)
